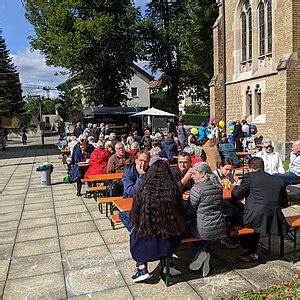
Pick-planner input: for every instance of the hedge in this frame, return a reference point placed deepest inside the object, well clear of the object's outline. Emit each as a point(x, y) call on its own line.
point(193, 119)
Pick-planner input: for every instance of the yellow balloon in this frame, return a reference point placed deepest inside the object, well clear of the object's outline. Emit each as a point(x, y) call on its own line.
point(194, 131)
point(221, 123)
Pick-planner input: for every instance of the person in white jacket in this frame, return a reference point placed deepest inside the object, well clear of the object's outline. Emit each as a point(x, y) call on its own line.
point(272, 161)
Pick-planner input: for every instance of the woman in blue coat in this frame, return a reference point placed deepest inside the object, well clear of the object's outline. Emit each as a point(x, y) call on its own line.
point(78, 155)
point(157, 219)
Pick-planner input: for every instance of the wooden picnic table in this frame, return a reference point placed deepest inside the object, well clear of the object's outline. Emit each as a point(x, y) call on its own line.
point(83, 164)
point(245, 153)
point(67, 151)
point(125, 204)
point(105, 177)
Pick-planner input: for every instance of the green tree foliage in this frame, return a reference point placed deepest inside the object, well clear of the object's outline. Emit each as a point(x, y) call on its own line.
point(163, 100)
point(11, 102)
point(97, 39)
point(178, 42)
point(196, 109)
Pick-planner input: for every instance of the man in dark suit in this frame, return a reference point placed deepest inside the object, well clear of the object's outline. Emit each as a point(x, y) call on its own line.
point(265, 196)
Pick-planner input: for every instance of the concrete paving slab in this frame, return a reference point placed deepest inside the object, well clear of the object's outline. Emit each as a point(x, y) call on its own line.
point(38, 206)
point(70, 210)
point(66, 203)
point(89, 280)
point(76, 228)
point(116, 293)
point(73, 218)
point(7, 237)
point(5, 251)
point(38, 222)
point(49, 286)
point(42, 213)
point(1, 288)
point(4, 265)
point(37, 247)
point(13, 216)
point(120, 235)
point(9, 209)
point(35, 265)
point(36, 233)
point(9, 226)
point(86, 258)
point(78, 241)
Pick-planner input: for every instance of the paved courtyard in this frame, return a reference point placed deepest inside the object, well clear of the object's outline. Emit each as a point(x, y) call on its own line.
point(56, 245)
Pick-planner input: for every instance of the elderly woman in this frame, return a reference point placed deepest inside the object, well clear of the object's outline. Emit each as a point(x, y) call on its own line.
point(272, 161)
point(204, 206)
point(129, 141)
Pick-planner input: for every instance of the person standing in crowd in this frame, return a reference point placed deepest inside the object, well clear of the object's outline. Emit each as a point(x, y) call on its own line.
point(215, 132)
point(79, 155)
point(171, 126)
point(227, 151)
point(136, 136)
point(265, 196)
point(87, 130)
point(204, 207)
point(203, 131)
point(72, 144)
point(157, 219)
point(113, 138)
point(131, 180)
point(237, 135)
point(102, 129)
point(119, 160)
point(182, 174)
point(181, 134)
point(107, 130)
point(95, 132)
point(78, 130)
point(146, 140)
point(272, 161)
point(293, 174)
point(210, 153)
point(169, 147)
point(89, 147)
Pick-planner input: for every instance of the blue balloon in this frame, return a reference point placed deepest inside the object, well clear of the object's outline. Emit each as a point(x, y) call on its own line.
point(230, 122)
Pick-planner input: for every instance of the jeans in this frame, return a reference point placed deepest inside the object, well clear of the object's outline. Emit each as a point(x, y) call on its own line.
point(289, 178)
point(125, 218)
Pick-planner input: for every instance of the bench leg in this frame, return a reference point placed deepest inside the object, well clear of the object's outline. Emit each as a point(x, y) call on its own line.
point(295, 245)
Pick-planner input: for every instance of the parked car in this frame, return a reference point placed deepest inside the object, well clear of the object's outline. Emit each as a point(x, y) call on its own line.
point(2, 139)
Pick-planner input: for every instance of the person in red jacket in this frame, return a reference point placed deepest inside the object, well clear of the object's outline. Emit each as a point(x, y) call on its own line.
point(98, 160)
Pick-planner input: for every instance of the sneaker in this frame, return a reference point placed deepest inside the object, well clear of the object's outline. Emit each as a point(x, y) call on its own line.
point(140, 275)
point(205, 268)
point(198, 260)
point(173, 270)
point(248, 258)
point(229, 243)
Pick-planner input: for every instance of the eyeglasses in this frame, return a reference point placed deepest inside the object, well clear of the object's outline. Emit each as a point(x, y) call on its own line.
point(266, 147)
point(183, 162)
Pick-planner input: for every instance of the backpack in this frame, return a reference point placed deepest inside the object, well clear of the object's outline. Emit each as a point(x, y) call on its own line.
point(253, 129)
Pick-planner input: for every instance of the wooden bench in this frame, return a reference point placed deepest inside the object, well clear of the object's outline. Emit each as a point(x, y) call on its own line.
point(294, 223)
point(86, 179)
point(98, 188)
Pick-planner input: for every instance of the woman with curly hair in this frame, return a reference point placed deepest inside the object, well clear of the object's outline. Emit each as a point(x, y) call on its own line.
point(157, 219)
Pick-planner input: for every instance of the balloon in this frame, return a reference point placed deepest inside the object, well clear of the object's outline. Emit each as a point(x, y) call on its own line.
point(194, 130)
point(212, 119)
point(231, 127)
point(245, 128)
point(230, 122)
point(222, 124)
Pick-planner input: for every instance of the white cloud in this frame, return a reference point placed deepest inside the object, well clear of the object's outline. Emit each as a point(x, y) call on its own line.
point(34, 71)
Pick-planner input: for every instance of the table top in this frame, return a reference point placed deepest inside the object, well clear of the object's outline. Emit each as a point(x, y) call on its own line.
point(65, 150)
point(83, 164)
point(105, 177)
point(245, 153)
point(125, 204)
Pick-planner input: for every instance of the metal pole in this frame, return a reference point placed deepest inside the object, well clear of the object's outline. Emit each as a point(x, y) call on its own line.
point(224, 63)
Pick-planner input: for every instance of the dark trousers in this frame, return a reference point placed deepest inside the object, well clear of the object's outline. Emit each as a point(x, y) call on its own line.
point(80, 175)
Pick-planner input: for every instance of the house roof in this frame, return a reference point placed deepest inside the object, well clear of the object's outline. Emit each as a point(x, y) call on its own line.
point(142, 71)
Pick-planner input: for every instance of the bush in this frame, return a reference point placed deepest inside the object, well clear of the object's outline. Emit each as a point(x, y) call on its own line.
point(194, 119)
point(199, 109)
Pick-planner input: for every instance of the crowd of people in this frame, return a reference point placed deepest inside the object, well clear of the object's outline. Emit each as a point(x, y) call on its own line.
point(159, 168)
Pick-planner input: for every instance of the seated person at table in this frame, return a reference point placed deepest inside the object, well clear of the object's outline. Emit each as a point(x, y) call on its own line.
point(227, 150)
point(210, 153)
point(118, 161)
point(204, 206)
point(293, 174)
point(265, 196)
point(272, 160)
point(135, 148)
point(225, 172)
point(131, 180)
point(182, 173)
point(89, 147)
point(157, 219)
point(98, 161)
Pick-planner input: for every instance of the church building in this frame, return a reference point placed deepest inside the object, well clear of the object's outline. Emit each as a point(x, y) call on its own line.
point(257, 67)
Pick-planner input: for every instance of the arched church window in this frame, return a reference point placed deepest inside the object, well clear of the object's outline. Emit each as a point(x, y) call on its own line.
point(261, 14)
point(248, 102)
point(250, 33)
point(244, 37)
point(258, 102)
point(269, 20)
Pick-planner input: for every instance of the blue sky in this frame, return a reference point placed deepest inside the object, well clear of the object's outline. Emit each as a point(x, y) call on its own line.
point(30, 65)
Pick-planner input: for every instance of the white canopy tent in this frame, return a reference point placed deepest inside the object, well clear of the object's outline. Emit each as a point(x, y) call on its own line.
point(158, 117)
point(153, 112)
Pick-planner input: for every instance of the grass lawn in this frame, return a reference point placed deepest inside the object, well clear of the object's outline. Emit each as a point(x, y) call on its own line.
point(40, 146)
point(286, 165)
point(285, 290)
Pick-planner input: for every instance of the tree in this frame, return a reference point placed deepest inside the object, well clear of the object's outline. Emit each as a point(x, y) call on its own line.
point(178, 42)
point(11, 102)
point(97, 39)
